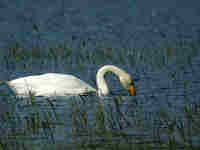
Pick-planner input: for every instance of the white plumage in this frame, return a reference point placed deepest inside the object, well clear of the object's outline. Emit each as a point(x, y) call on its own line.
point(50, 84)
point(54, 84)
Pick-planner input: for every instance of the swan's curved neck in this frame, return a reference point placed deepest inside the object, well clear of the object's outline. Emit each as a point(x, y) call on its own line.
point(101, 83)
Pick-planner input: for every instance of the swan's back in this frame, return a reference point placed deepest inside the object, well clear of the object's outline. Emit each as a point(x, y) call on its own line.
point(50, 84)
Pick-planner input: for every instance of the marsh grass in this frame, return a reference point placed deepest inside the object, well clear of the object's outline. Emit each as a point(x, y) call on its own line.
point(106, 128)
point(173, 52)
point(17, 129)
point(177, 133)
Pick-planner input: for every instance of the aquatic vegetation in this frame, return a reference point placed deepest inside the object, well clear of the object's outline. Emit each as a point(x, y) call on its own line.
point(88, 123)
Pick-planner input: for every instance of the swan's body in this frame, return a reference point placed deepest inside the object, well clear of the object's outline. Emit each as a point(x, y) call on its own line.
point(50, 84)
point(54, 84)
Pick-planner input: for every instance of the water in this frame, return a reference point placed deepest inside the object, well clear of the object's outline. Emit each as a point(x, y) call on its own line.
point(161, 100)
point(74, 120)
point(70, 118)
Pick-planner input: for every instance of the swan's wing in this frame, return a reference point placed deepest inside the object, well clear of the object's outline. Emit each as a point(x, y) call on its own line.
point(50, 84)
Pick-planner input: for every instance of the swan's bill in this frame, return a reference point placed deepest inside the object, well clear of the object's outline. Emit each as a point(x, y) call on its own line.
point(132, 90)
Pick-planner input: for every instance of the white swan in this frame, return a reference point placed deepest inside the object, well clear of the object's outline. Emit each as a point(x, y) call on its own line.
point(54, 84)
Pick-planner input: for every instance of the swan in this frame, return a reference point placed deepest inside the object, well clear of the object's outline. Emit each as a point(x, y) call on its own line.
point(55, 84)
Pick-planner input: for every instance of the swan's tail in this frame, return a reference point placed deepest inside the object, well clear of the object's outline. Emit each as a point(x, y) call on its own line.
point(5, 89)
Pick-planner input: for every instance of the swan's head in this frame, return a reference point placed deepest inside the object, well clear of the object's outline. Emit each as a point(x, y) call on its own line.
point(124, 77)
point(127, 83)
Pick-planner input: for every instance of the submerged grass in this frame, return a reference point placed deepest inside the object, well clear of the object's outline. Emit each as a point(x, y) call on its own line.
point(107, 128)
point(107, 131)
point(178, 52)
